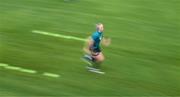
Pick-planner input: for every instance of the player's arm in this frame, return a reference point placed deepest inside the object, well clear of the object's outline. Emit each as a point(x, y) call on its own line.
point(88, 45)
point(106, 41)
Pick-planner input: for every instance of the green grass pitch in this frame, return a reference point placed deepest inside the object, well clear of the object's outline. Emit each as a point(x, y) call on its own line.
point(143, 59)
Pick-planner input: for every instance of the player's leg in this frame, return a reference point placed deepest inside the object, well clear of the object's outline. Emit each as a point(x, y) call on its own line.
point(94, 61)
point(88, 59)
point(94, 58)
point(98, 59)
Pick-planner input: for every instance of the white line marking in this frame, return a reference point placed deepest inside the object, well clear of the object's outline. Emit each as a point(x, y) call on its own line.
point(12, 67)
point(59, 35)
point(28, 71)
point(3, 65)
point(15, 68)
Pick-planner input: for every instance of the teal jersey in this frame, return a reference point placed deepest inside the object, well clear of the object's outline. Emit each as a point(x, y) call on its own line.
point(97, 37)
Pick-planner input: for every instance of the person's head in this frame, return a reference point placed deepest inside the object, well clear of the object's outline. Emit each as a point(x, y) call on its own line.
point(99, 27)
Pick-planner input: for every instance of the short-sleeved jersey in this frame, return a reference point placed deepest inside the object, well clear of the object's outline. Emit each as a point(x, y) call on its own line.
point(97, 37)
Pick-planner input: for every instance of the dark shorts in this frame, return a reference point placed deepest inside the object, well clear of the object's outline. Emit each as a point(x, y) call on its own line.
point(96, 51)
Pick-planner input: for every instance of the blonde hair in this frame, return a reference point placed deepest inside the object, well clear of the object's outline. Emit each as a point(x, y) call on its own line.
point(98, 26)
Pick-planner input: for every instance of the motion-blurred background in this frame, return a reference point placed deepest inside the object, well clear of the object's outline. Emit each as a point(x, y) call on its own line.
point(143, 59)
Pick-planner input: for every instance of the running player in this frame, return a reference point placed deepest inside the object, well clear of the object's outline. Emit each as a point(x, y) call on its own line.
point(94, 54)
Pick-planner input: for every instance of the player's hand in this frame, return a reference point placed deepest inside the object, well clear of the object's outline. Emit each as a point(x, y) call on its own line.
point(86, 50)
point(106, 41)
